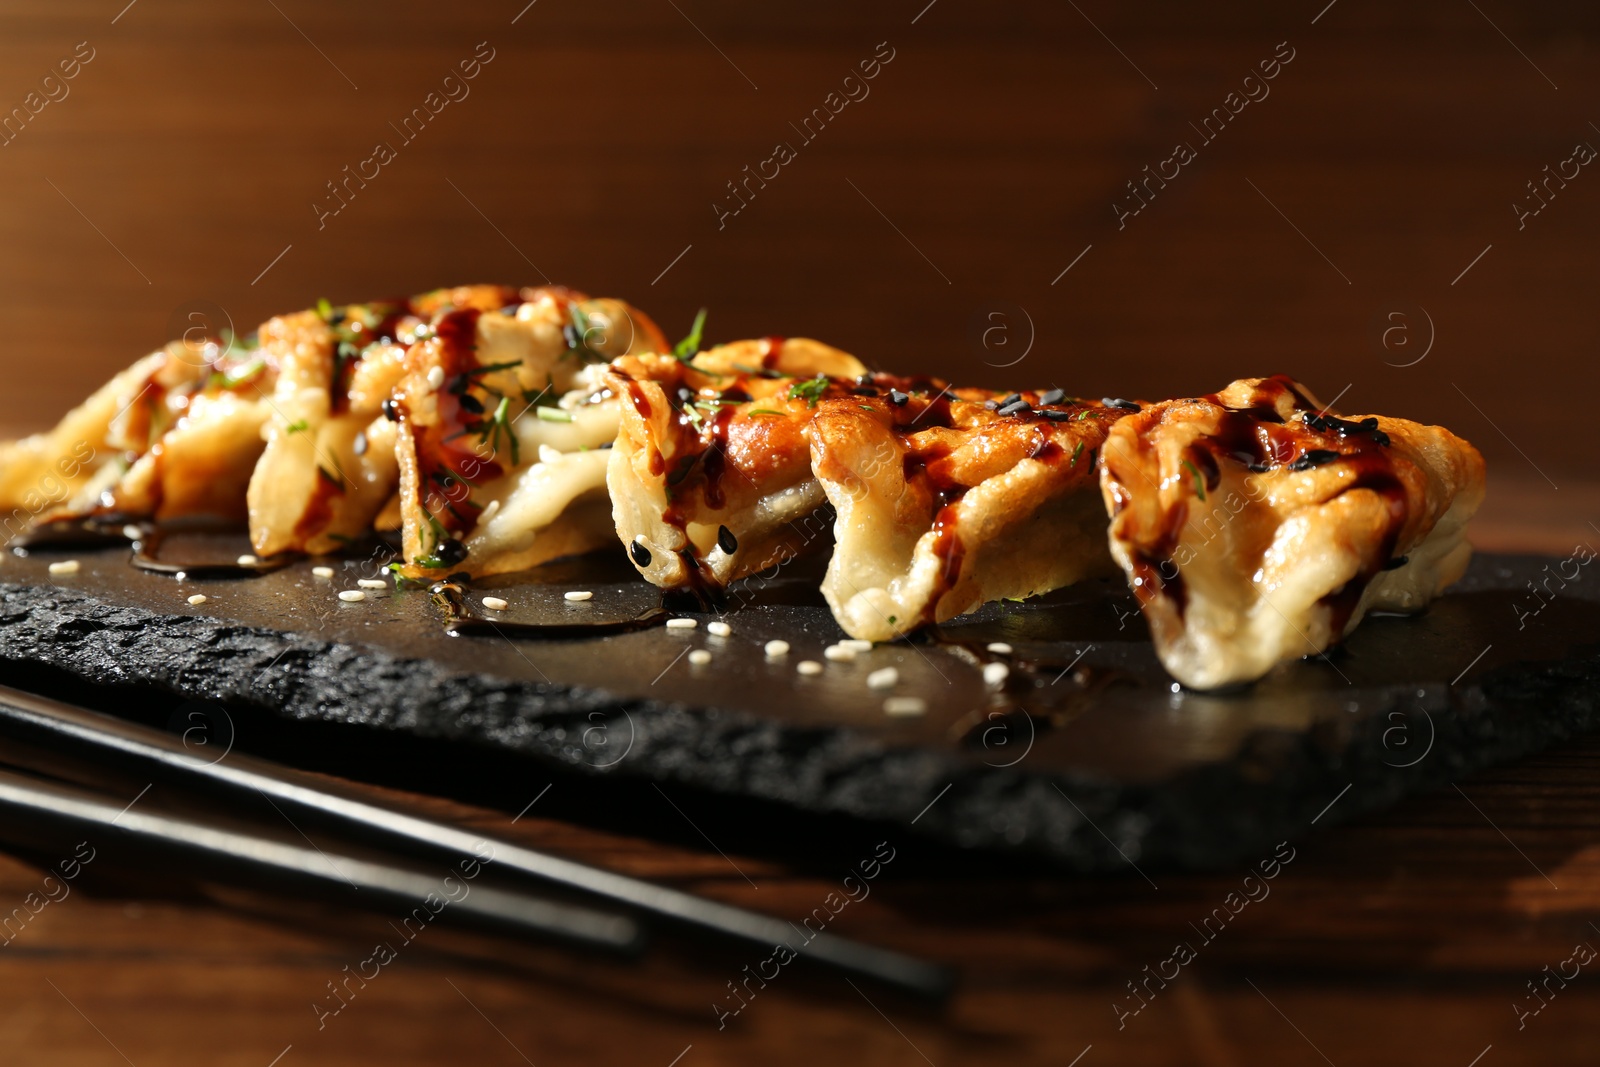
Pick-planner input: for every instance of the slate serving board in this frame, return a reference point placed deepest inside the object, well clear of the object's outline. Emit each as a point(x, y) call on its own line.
point(1111, 768)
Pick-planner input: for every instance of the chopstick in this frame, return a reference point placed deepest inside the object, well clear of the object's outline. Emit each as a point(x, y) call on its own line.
point(42, 813)
point(64, 729)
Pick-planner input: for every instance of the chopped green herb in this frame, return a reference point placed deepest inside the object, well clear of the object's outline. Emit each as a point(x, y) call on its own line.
point(810, 391)
point(1199, 482)
point(764, 411)
point(498, 424)
point(299, 426)
point(553, 414)
point(324, 309)
point(686, 349)
point(1076, 452)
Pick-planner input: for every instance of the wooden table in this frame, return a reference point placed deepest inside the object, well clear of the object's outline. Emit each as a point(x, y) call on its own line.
point(1406, 938)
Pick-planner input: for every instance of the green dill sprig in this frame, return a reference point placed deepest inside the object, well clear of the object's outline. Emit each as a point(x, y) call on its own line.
point(686, 349)
point(810, 391)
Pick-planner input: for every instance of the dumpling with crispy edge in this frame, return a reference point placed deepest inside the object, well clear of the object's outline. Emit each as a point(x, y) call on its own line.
point(1256, 527)
point(710, 478)
point(948, 499)
point(504, 416)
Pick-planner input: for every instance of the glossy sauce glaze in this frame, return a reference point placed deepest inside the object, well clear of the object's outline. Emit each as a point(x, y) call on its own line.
point(1259, 437)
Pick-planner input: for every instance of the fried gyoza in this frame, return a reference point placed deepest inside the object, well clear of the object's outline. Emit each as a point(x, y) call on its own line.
point(711, 477)
point(1255, 527)
point(948, 499)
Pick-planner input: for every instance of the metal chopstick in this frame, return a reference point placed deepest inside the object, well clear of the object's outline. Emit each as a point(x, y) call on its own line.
point(41, 813)
point(162, 757)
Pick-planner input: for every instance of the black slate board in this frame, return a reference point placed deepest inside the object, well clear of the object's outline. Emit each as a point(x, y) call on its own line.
point(1119, 770)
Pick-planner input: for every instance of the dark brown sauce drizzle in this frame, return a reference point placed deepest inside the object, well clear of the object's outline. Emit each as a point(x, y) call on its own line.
point(1021, 698)
point(145, 559)
point(462, 621)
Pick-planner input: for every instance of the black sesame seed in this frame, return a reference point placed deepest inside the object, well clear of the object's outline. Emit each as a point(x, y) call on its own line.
point(1058, 416)
point(1010, 399)
point(1396, 563)
point(897, 398)
point(1054, 396)
point(510, 309)
point(640, 554)
point(472, 403)
point(1013, 407)
point(608, 444)
point(1119, 403)
point(359, 445)
point(726, 541)
point(991, 404)
point(1315, 457)
point(1258, 468)
point(390, 411)
point(450, 551)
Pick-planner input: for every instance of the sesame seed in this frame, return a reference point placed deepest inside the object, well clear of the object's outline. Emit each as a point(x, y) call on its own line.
point(808, 666)
point(248, 561)
point(727, 541)
point(699, 657)
point(718, 628)
point(905, 706)
point(883, 678)
point(640, 554)
point(494, 603)
point(1000, 648)
point(682, 624)
point(435, 378)
point(132, 533)
point(198, 599)
point(839, 654)
point(580, 594)
point(995, 673)
point(322, 572)
point(548, 454)
point(372, 583)
point(856, 644)
point(66, 566)
point(776, 649)
point(352, 596)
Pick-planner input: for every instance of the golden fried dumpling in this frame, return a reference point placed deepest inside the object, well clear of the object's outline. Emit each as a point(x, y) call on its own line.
point(710, 478)
point(1257, 527)
point(948, 499)
point(503, 413)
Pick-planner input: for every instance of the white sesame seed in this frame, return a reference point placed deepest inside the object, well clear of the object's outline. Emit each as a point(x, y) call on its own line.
point(548, 454)
point(995, 673)
point(181, 576)
point(883, 678)
point(198, 599)
point(132, 533)
point(322, 572)
point(777, 649)
point(808, 666)
point(1000, 648)
point(905, 706)
point(372, 583)
point(856, 644)
point(248, 561)
point(682, 624)
point(580, 594)
point(839, 654)
point(66, 566)
point(352, 596)
point(699, 657)
point(435, 378)
point(718, 628)
point(494, 603)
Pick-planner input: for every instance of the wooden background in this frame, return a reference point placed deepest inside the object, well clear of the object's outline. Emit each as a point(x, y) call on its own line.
point(183, 166)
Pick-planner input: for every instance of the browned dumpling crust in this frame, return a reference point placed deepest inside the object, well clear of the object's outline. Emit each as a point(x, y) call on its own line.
point(950, 498)
point(1256, 526)
point(710, 478)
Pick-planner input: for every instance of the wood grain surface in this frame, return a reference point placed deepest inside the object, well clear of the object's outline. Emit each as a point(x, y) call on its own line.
point(179, 173)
